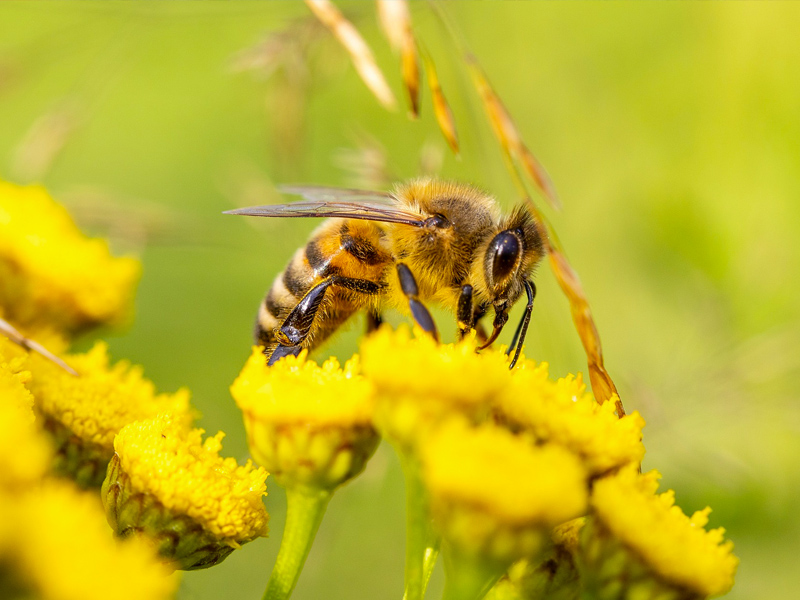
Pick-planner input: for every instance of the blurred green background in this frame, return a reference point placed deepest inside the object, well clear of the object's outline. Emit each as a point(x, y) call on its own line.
point(671, 130)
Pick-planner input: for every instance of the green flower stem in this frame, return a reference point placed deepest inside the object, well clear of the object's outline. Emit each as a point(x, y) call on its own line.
point(469, 577)
point(304, 512)
point(422, 544)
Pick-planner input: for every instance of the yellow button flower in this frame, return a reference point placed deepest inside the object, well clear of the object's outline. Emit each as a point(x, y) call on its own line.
point(493, 493)
point(25, 454)
point(55, 545)
point(50, 273)
point(495, 498)
point(83, 414)
point(665, 552)
point(165, 482)
point(564, 413)
point(419, 381)
point(310, 425)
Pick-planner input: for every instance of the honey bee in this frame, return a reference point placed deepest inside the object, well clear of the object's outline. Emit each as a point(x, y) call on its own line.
point(428, 241)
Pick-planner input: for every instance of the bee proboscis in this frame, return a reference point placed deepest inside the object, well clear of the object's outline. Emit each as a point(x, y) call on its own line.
point(428, 241)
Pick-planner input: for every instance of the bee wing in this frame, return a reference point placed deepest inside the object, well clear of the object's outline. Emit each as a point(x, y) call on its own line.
point(330, 194)
point(336, 202)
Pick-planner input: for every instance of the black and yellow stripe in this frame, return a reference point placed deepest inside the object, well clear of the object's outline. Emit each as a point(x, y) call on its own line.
point(347, 249)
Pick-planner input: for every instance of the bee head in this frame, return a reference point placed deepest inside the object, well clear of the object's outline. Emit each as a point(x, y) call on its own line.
point(510, 257)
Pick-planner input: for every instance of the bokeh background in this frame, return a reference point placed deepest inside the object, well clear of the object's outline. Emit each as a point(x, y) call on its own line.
point(671, 130)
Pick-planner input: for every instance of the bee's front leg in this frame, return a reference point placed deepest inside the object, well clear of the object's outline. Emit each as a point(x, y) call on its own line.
point(409, 287)
point(466, 313)
point(522, 328)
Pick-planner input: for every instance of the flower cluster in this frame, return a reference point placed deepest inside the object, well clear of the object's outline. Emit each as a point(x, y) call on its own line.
point(85, 421)
point(54, 541)
point(521, 480)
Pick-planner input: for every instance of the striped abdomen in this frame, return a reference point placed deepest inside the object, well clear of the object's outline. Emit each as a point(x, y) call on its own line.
point(338, 248)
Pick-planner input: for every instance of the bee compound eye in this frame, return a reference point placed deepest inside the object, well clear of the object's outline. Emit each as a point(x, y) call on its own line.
point(438, 221)
point(505, 251)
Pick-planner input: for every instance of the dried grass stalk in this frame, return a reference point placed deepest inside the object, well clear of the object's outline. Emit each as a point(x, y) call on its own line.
point(441, 109)
point(602, 385)
point(45, 140)
point(395, 20)
point(393, 15)
point(508, 134)
point(361, 55)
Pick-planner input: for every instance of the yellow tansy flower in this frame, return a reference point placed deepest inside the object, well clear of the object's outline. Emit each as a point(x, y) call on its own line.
point(308, 424)
point(50, 273)
point(83, 414)
point(24, 452)
point(486, 483)
point(667, 552)
point(564, 413)
point(419, 381)
point(494, 498)
point(55, 545)
point(311, 426)
point(166, 482)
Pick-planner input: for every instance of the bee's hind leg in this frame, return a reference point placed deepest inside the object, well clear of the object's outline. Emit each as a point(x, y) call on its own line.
point(281, 351)
point(297, 325)
point(421, 315)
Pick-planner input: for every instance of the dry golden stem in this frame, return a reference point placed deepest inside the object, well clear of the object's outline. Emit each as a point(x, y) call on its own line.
point(394, 17)
point(508, 134)
point(361, 55)
point(602, 385)
point(395, 20)
point(441, 109)
point(45, 139)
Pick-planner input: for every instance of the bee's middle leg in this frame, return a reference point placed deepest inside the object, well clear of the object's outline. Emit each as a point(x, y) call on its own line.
point(480, 312)
point(409, 287)
point(374, 320)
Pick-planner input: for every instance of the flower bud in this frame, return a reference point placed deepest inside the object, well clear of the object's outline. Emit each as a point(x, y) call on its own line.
point(309, 425)
point(167, 485)
point(50, 273)
point(493, 495)
point(639, 545)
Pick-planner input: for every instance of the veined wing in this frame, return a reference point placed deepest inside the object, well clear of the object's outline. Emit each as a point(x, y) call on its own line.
point(340, 203)
point(335, 194)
